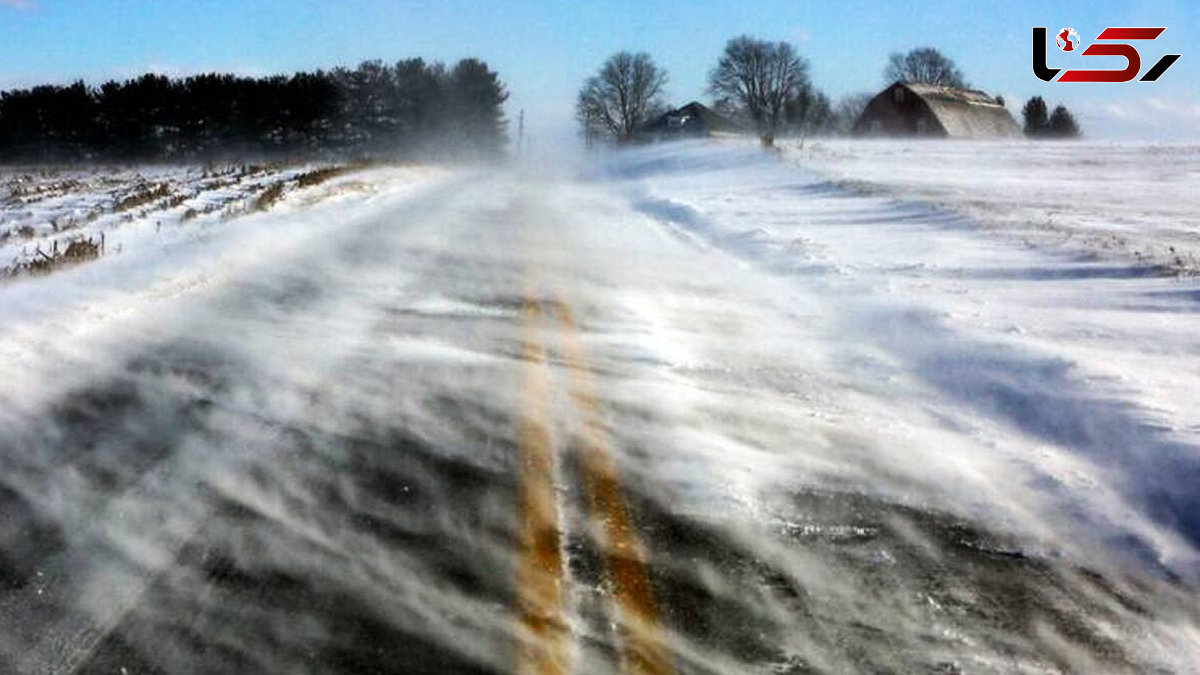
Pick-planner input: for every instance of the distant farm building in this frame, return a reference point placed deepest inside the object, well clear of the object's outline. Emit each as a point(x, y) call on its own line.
point(918, 109)
point(691, 121)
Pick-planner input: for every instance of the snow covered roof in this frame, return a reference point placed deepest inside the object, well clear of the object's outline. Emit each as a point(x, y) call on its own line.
point(965, 112)
point(907, 108)
point(969, 96)
point(693, 116)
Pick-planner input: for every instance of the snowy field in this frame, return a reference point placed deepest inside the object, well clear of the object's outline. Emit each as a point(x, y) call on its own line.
point(43, 211)
point(839, 424)
point(1036, 335)
point(1133, 201)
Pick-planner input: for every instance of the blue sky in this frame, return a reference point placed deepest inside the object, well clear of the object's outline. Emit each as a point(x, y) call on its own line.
point(543, 50)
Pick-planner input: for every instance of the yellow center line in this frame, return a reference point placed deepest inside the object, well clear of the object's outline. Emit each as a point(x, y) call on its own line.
point(644, 650)
point(540, 573)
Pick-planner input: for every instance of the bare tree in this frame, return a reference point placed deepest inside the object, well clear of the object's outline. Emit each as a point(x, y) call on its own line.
point(923, 64)
point(809, 113)
point(761, 77)
point(621, 96)
point(849, 109)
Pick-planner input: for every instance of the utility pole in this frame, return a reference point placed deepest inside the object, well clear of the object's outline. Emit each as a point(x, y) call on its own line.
point(521, 132)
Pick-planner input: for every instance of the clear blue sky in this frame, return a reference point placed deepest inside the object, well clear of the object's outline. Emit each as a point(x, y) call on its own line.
point(544, 49)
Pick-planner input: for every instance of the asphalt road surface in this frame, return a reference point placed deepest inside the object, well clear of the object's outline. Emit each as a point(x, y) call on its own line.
point(511, 423)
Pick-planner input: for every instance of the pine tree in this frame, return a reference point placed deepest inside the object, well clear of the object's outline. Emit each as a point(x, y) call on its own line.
point(1062, 123)
point(1036, 121)
point(377, 109)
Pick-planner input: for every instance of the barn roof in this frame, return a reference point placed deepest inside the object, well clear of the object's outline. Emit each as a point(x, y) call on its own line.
point(964, 112)
point(712, 121)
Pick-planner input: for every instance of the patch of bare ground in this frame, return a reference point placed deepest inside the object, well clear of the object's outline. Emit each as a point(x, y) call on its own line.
point(40, 262)
point(142, 196)
point(267, 198)
point(25, 190)
point(277, 190)
point(318, 176)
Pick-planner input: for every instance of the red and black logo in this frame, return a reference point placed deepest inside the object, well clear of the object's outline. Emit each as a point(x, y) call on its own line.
point(1068, 41)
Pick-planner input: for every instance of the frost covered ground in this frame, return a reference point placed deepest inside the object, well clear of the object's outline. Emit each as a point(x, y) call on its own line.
point(699, 409)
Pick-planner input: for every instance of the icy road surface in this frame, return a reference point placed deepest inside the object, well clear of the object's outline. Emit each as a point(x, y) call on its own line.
point(697, 410)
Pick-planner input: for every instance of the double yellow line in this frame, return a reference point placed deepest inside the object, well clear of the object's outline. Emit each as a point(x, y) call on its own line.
point(541, 573)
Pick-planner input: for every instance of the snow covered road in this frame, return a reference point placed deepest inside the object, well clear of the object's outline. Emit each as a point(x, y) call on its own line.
point(697, 410)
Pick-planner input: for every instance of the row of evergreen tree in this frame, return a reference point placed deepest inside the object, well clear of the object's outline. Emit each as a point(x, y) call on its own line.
point(412, 108)
point(1039, 123)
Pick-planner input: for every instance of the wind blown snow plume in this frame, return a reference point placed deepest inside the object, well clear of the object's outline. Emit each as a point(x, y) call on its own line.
point(779, 426)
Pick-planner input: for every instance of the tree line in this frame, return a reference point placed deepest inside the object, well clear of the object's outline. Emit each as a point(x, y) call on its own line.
point(763, 84)
point(411, 108)
point(1040, 124)
point(766, 86)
